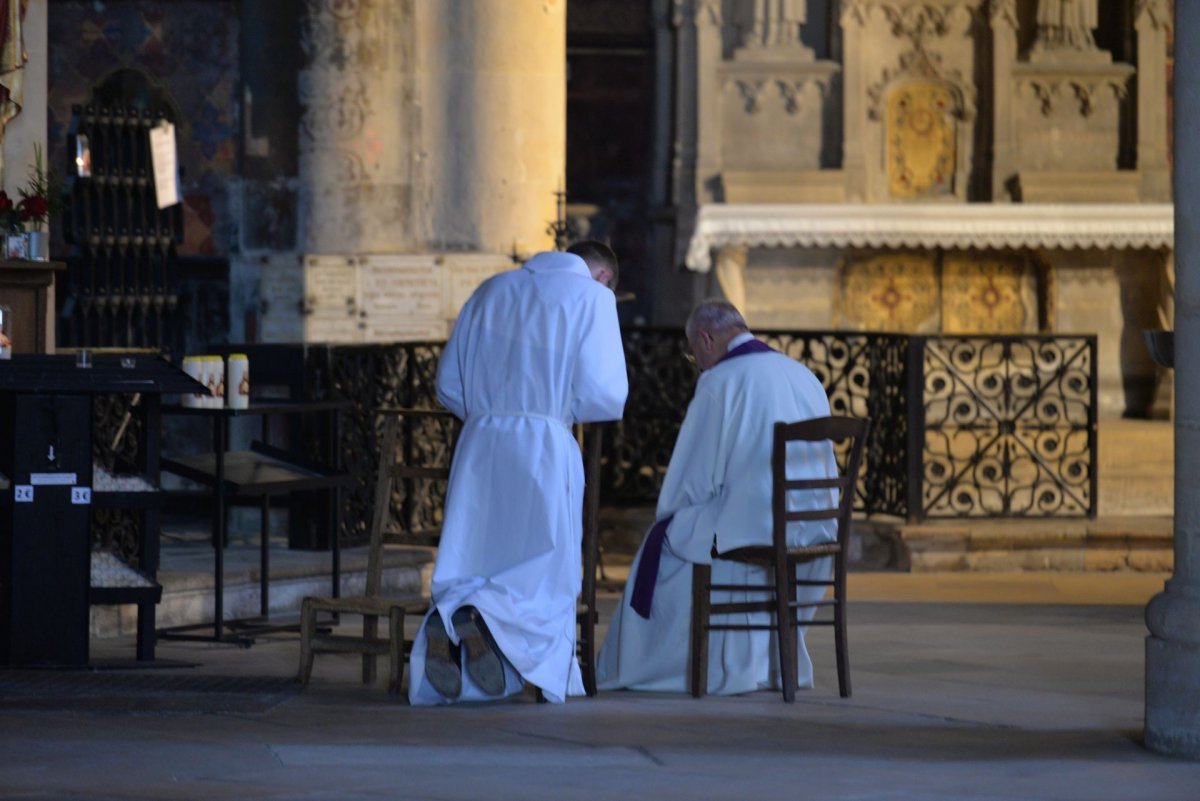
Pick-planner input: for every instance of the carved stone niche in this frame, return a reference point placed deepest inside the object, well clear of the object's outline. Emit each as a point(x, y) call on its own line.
point(922, 132)
point(911, 126)
point(776, 117)
point(1068, 130)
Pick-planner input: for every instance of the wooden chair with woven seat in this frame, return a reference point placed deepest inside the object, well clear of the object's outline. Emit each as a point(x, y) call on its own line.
point(781, 561)
point(371, 606)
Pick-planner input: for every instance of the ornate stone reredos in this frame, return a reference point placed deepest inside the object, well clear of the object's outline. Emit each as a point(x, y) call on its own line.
point(921, 65)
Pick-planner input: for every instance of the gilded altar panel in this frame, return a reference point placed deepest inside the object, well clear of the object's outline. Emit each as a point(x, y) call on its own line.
point(921, 150)
point(890, 292)
point(988, 293)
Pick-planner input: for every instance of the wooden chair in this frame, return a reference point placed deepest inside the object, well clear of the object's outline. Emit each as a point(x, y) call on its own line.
point(586, 614)
point(370, 606)
point(781, 561)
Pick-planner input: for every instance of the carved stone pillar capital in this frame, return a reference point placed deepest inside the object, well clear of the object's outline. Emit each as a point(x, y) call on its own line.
point(1003, 13)
point(1152, 13)
point(854, 12)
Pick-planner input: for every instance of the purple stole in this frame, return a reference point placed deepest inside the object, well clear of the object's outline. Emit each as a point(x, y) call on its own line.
point(647, 572)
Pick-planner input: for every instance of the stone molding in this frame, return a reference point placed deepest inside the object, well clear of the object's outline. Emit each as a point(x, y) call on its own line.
point(1083, 84)
point(914, 225)
point(754, 81)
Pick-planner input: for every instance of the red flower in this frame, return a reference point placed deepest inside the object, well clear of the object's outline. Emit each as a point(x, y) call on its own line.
point(6, 204)
point(33, 207)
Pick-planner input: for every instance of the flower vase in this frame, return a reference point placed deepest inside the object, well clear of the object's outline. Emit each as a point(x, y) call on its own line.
point(39, 245)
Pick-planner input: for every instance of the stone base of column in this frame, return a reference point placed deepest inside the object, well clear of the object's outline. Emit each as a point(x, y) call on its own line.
point(1173, 697)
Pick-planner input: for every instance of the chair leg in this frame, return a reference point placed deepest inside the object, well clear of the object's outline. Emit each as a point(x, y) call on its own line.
point(785, 629)
point(308, 627)
point(370, 630)
point(396, 645)
point(841, 642)
point(701, 603)
point(587, 650)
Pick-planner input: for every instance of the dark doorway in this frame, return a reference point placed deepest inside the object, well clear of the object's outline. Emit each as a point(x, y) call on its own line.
point(610, 112)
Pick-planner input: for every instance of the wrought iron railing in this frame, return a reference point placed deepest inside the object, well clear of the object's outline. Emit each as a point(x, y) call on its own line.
point(1009, 427)
point(971, 426)
point(999, 426)
point(863, 374)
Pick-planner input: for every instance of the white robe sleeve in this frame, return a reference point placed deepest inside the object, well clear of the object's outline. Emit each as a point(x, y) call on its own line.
point(450, 367)
point(600, 385)
point(695, 477)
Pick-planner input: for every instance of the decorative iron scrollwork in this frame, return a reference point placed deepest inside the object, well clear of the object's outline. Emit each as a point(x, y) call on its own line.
point(1008, 422)
point(1009, 428)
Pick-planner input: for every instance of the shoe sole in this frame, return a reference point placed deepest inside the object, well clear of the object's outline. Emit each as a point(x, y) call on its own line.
point(442, 671)
point(484, 665)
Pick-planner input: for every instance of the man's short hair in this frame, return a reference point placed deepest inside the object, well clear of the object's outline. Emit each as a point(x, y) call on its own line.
point(714, 315)
point(597, 255)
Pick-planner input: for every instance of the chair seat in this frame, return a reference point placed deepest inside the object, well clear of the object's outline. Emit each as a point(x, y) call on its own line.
point(765, 555)
point(340, 643)
point(363, 605)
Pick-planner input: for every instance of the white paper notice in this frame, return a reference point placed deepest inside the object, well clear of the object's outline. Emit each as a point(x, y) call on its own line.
point(162, 156)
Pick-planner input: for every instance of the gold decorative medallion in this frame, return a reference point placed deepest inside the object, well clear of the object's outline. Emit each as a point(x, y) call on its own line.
point(988, 293)
point(921, 150)
point(890, 292)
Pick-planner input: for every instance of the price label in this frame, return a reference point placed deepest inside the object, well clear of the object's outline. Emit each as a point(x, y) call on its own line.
point(23, 493)
point(81, 495)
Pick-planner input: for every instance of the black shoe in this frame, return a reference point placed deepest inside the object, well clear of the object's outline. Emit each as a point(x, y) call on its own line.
point(441, 658)
point(484, 663)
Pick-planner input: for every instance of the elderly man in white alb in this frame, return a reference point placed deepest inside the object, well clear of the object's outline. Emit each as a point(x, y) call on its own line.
point(534, 350)
point(717, 494)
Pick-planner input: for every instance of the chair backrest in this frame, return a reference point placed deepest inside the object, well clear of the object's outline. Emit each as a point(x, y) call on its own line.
point(381, 503)
point(819, 429)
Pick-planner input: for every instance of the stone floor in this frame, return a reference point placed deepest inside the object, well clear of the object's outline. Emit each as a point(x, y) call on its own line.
point(955, 697)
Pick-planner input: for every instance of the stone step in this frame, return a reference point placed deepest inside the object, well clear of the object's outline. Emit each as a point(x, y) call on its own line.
point(1142, 544)
point(187, 580)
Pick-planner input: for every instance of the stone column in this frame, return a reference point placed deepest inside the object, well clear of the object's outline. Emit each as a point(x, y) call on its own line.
point(1173, 616)
point(709, 46)
point(853, 19)
point(683, 148)
point(1004, 57)
point(493, 110)
point(1152, 22)
point(731, 274)
point(356, 193)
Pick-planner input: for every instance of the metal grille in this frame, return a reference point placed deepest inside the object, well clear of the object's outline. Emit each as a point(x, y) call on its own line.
point(863, 374)
point(1009, 427)
point(122, 286)
point(1000, 426)
point(380, 377)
